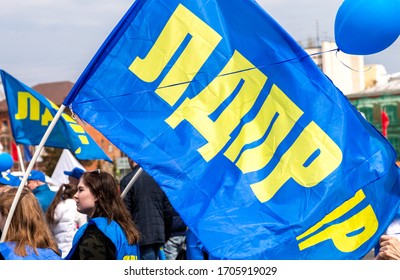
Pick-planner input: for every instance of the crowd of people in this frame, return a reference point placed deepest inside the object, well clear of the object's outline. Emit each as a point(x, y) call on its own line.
point(88, 218)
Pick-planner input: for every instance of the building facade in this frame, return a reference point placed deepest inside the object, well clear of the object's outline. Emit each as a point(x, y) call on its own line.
point(368, 87)
point(384, 97)
point(345, 71)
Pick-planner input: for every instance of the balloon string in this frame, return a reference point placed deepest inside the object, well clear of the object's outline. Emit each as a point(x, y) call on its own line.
point(301, 58)
point(248, 69)
point(338, 50)
point(318, 53)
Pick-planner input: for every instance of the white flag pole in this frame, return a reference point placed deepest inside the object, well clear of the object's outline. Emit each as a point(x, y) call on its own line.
point(21, 160)
point(29, 169)
point(130, 184)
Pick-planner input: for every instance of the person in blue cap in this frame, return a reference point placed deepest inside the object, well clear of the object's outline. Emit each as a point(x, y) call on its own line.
point(8, 180)
point(74, 175)
point(37, 184)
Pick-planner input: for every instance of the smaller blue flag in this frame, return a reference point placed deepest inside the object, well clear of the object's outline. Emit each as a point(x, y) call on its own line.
point(31, 114)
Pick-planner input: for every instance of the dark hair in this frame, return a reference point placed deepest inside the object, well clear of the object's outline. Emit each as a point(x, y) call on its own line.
point(109, 203)
point(64, 192)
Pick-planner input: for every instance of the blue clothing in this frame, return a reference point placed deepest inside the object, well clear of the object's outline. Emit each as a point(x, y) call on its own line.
point(152, 252)
point(194, 248)
point(124, 251)
point(44, 195)
point(7, 251)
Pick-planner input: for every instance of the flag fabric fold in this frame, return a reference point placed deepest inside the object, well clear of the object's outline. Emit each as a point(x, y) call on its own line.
point(30, 115)
point(259, 152)
point(27, 153)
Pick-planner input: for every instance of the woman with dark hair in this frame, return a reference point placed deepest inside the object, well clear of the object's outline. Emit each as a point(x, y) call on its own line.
point(28, 236)
point(110, 233)
point(64, 218)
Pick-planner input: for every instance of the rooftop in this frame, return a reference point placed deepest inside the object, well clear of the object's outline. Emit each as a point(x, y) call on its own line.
point(391, 87)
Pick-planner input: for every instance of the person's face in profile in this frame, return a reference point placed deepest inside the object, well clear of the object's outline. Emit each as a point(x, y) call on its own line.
point(85, 200)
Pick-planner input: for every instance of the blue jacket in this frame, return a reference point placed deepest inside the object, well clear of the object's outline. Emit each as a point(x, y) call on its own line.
point(7, 250)
point(114, 232)
point(44, 195)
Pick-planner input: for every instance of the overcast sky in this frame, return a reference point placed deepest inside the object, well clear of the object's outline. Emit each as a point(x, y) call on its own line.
point(46, 40)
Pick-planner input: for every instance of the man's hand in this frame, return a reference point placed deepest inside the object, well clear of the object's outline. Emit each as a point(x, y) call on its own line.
point(390, 248)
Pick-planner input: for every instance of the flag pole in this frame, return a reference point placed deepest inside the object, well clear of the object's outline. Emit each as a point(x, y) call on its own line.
point(29, 169)
point(21, 161)
point(130, 184)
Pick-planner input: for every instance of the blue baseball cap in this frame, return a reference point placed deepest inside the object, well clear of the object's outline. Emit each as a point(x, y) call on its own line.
point(76, 173)
point(10, 180)
point(37, 175)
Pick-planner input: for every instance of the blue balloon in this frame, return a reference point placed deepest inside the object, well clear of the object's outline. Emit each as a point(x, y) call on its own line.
point(365, 27)
point(6, 162)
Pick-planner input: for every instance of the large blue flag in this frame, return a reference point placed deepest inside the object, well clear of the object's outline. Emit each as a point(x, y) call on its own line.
point(260, 153)
point(30, 115)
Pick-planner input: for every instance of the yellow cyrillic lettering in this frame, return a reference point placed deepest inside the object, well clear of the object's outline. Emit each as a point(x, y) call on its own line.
point(256, 158)
point(130, 258)
point(76, 128)
point(340, 233)
point(47, 117)
point(197, 110)
point(34, 107)
point(338, 212)
point(84, 139)
point(291, 165)
point(203, 42)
